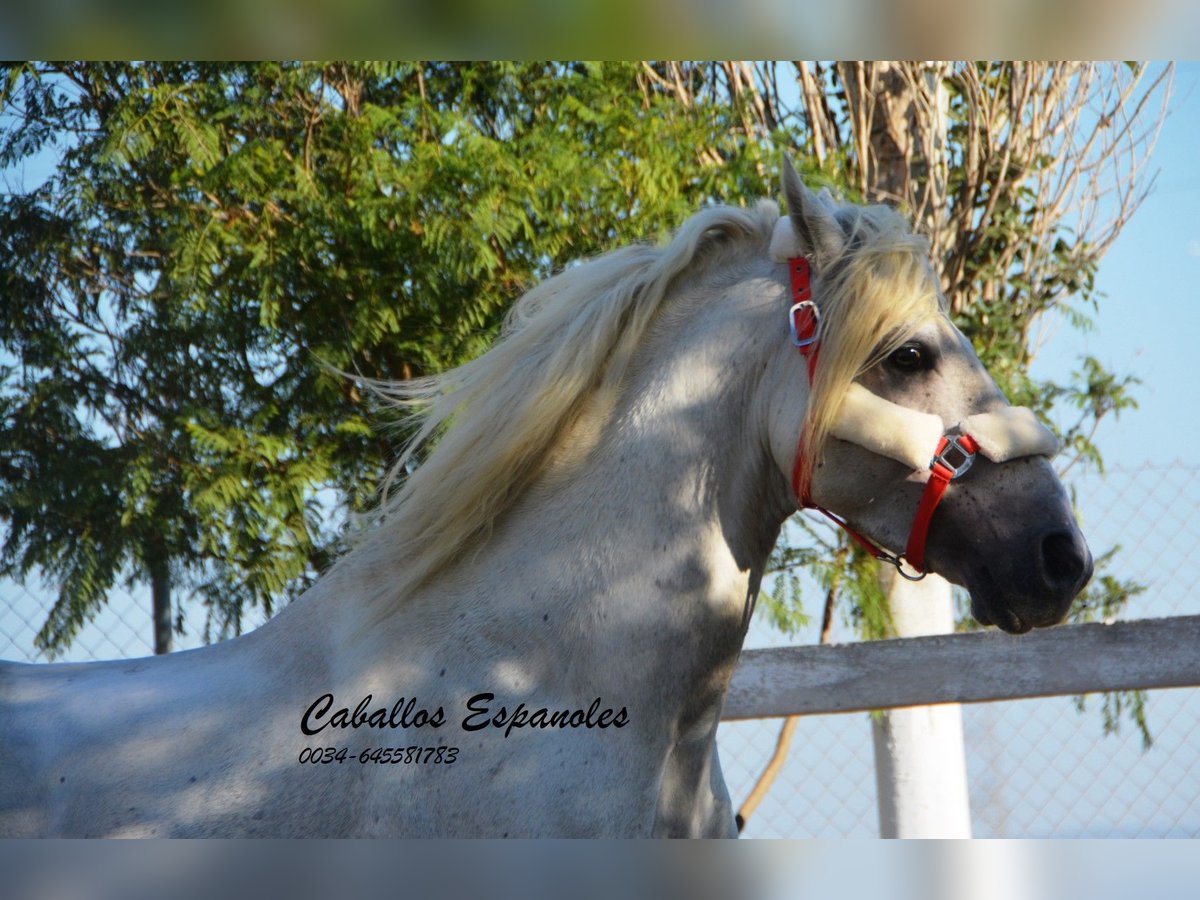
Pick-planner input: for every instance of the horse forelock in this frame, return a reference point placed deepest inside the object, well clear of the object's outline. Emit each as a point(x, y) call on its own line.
point(491, 425)
point(872, 298)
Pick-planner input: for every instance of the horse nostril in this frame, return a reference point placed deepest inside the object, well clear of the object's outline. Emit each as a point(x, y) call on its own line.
point(1065, 560)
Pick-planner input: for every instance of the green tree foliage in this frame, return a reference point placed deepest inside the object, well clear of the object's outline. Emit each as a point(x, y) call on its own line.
point(216, 240)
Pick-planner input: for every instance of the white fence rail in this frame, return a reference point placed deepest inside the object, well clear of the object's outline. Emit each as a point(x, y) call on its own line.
point(966, 668)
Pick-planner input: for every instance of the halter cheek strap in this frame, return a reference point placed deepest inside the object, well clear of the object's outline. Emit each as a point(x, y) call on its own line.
point(900, 433)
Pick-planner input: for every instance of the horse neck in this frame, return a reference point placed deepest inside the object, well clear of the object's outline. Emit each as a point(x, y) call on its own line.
point(642, 540)
point(655, 520)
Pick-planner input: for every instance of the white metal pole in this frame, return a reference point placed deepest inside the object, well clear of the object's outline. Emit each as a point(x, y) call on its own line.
point(920, 765)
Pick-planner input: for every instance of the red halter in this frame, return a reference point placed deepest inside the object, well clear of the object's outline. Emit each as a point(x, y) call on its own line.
point(952, 458)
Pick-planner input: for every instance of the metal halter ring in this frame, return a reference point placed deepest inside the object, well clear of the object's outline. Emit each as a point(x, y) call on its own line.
point(898, 562)
point(816, 316)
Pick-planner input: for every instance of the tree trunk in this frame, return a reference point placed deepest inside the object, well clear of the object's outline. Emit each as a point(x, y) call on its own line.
point(920, 766)
point(160, 592)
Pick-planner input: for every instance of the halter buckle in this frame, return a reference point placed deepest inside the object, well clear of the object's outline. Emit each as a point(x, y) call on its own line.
point(793, 323)
point(954, 454)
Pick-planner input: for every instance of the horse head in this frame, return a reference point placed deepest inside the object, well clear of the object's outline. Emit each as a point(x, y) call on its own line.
point(891, 384)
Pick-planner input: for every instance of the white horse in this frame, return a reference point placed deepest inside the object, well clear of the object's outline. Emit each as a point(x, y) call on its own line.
point(536, 637)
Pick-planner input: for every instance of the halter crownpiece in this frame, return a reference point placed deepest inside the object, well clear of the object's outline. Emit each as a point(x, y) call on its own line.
point(900, 433)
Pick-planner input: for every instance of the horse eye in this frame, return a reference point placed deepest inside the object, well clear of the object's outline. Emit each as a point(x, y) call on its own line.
point(909, 358)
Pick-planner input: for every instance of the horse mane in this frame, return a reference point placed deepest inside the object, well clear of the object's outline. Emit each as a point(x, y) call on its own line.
point(485, 430)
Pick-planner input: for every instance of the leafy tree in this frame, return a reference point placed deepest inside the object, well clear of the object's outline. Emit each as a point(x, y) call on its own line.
point(217, 240)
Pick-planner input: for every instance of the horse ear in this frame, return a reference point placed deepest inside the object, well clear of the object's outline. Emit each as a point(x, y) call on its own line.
point(817, 231)
point(826, 197)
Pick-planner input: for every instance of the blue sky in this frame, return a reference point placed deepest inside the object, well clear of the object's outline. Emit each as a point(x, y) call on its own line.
point(1149, 317)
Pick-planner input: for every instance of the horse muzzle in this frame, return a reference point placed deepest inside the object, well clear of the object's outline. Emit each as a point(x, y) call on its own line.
point(1038, 595)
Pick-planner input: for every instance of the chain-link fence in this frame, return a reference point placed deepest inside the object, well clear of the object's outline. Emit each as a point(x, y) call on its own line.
point(1037, 768)
point(122, 629)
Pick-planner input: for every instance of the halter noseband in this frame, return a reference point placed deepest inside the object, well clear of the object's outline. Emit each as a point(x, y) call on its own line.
point(1005, 434)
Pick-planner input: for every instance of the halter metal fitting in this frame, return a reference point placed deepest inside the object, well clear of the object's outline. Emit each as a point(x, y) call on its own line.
point(956, 453)
point(805, 332)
